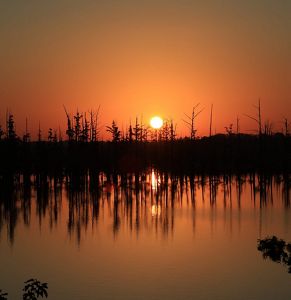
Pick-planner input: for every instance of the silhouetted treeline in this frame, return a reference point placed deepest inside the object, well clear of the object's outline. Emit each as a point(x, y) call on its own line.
point(215, 154)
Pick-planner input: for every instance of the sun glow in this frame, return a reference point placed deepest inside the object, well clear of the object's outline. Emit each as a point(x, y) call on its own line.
point(156, 122)
point(156, 180)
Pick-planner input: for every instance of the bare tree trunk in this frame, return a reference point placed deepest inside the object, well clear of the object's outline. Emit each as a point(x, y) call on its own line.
point(237, 125)
point(260, 117)
point(191, 123)
point(210, 126)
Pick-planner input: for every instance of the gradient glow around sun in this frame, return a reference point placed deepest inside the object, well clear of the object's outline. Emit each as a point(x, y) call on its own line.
point(156, 122)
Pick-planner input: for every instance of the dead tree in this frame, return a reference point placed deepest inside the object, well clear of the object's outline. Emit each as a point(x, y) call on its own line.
point(78, 117)
point(136, 130)
point(237, 125)
point(115, 132)
point(190, 123)
point(130, 133)
point(85, 130)
point(50, 135)
point(145, 133)
point(69, 131)
point(258, 118)
point(268, 128)
point(94, 125)
point(10, 132)
point(286, 126)
point(172, 131)
point(211, 115)
point(165, 131)
point(26, 136)
point(143, 130)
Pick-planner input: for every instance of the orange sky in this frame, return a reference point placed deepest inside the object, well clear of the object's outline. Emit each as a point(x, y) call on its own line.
point(149, 57)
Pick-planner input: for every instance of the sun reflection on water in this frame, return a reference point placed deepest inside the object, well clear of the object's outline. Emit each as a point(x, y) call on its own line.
point(156, 180)
point(156, 210)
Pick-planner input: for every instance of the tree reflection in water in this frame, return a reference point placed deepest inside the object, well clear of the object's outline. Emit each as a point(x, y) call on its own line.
point(140, 201)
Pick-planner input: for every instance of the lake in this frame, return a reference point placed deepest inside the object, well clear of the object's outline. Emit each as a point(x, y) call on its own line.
point(146, 236)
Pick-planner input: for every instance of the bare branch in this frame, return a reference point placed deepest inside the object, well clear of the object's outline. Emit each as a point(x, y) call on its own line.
point(198, 113)
point(188, 123)
point(252, 118)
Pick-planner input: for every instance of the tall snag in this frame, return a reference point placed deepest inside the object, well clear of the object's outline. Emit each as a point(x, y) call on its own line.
point(190, 123)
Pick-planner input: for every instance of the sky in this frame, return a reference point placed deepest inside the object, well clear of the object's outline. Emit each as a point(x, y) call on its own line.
point(144, 58)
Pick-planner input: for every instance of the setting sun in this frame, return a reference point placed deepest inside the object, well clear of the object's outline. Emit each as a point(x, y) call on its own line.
point(156, 122)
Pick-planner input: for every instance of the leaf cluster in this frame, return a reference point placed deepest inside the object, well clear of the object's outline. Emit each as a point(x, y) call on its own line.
point(33, 289)
point(277, 250)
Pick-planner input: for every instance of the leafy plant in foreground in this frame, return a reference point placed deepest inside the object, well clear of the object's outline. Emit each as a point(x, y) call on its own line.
point(33, 289)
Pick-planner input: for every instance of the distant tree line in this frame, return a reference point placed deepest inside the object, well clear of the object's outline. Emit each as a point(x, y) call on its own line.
point(85, 127)
point(138, 147)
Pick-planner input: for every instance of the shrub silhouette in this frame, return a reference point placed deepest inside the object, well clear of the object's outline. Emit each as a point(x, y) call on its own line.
point(32, 290)
point(114, 131)
point(277, 250)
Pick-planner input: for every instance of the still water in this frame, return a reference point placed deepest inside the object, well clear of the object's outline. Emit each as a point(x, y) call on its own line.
point(146, 236)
